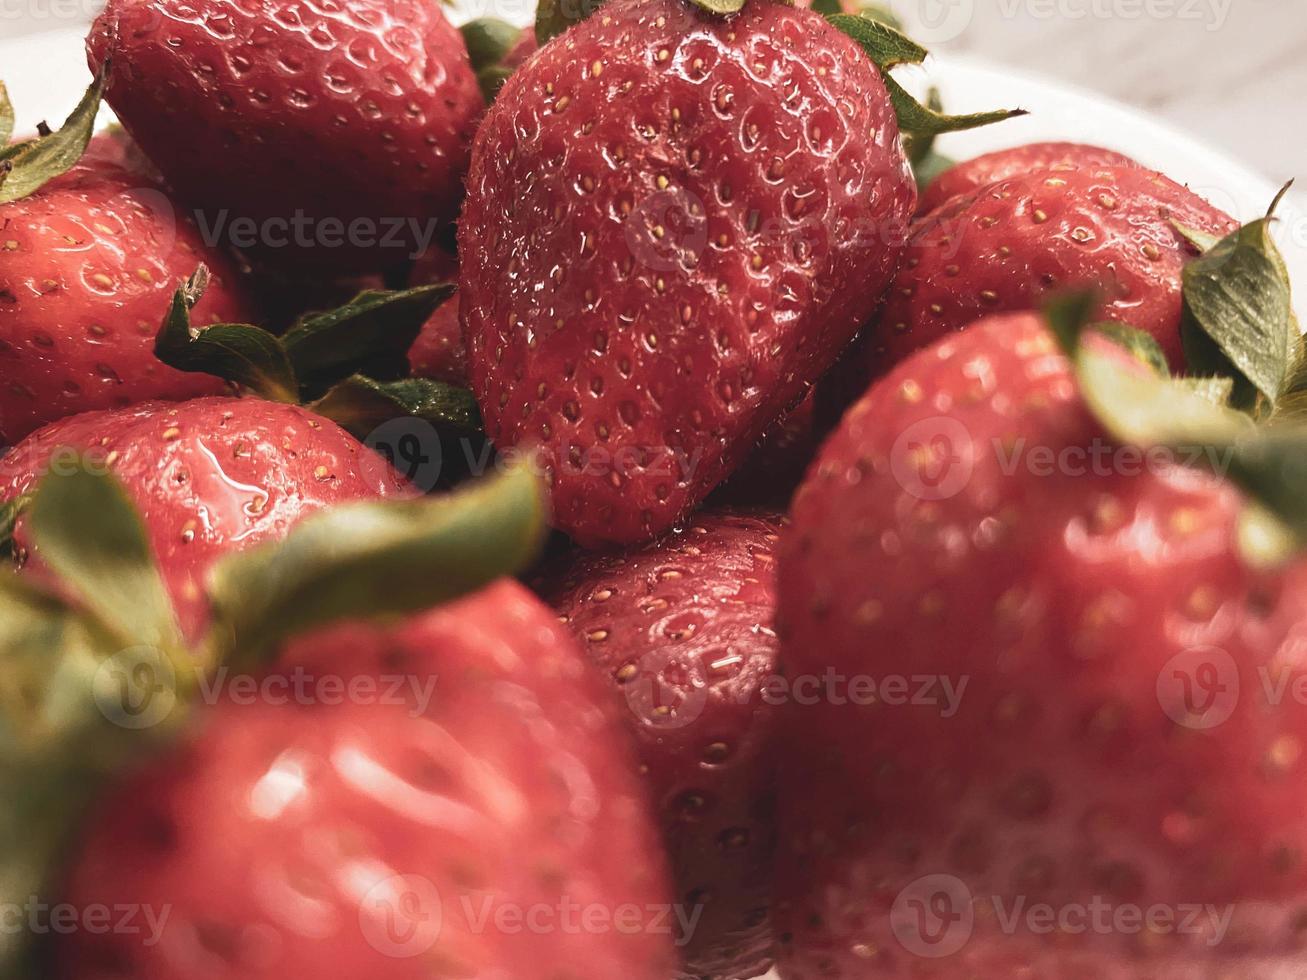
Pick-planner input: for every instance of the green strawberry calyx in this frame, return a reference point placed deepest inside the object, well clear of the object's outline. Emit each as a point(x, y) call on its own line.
point(96, 678)
point(489, 41)
point(1238, 318)
point(1192, 417)
point(28, 165)
point(349, 364)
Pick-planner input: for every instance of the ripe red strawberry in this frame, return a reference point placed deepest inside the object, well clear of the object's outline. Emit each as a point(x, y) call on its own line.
point(209, 476)
point(683, 629)
point(88, 265)
point(1008, 245)
point(355, 117)
point(976, 174)
point(775, 468)
point(675, 221)
point(439, 352)
point(1113, 738)
point(389, 837)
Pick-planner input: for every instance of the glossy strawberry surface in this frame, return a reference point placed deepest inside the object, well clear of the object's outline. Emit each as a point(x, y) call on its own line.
point(88, 267)
point(354, 115)
point(1077, 723)
point(683, 629)
point(479, 818)
point(674, 224)
point(209, 477)
point(1014, 242)
point(990, 168)
point(439, 352)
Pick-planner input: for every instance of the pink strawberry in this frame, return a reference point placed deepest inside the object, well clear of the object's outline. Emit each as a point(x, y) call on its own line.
point(683, 629)
point(209, 476)
point(1011, 243)
point(1083, 663)
point(484, 821)
point(675, 221)
point(354, 117)
point(978, 173)
point(88, 265)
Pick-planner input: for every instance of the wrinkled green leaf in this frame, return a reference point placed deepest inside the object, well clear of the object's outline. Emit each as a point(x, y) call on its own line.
point(89, 534)
point(917, 119)
point(9, 513)
point(1238, 318)
point(27, 166)
point(6, 117)
point(376, 560)
point(555, 16)
point(237, 352)
point(720, 7)
point(359, 405)
point(884, 45)
point(370, 335)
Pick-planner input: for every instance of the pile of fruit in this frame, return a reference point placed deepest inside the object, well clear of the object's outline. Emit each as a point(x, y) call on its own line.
point(611, 502)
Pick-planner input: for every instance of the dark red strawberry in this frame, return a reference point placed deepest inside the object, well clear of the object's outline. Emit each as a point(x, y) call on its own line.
point(88, 266)
point(333, 138)
point(683, 629)
point(439, 352)
point(210, 476)
point(485, 822)
point(1083, 659)
point(675, 222)
point(775, 468)
point(1019, 161)
point(1010, 244)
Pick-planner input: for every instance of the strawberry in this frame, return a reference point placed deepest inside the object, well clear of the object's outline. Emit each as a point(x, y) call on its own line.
point(88, 265)
point(1068, 656)
point(337, 137)
point(211, 476)
point(675, 221)
point(775, 468)
point(977, 174)
point(1006, 246)
point(439, 352)
point(390, 839)
point(683, 629)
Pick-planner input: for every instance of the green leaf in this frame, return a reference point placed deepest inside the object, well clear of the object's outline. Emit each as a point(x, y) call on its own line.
point(489, 40)
point(6, 117)
point(371, 335)
point(720, 7)
point(874, 11)
point(237, 352)
point(827, 7)
point(555, 16)
point(27, 166)
point(922, 146)
point(10, 510)
point(376, 560)
point(884, 45)
point(359, 405)
point(917, 119)
point(1200, 240)
point(1144, 409)
point(90, 535)
point(1238, 316)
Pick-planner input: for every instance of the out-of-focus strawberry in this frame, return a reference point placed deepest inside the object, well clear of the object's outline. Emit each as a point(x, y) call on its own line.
point(210, 476)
